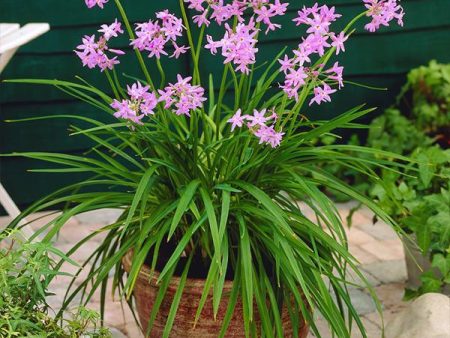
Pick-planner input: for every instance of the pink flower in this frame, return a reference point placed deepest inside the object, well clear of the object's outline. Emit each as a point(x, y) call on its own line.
point(195, 4)
point(257, 123)
point(222, 11)
point(286, 64)
point(302, 55)
point(153, 36)
point(264, 14)
point(112, 30)
point(92, 3)
point(294, 80)
point(238, 46)
point(279, 8)
point(183, 96)
point(322, 94)
point(212, 45)
point(383, 12)
point(336, 74)
point(269, 135)
point(178, 50)
point(257, 119)
point(338, 42)
point(201, 19)
point(124, 110)
point(96, 53)
point(301, 68)
point(318, 18)
point(142, 103)
point(237, 120)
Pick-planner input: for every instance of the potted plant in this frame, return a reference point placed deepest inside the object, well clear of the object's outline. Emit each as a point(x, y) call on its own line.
point(212, 241)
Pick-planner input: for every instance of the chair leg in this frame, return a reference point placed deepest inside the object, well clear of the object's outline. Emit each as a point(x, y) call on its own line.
point(6, 57)
point(13, 211)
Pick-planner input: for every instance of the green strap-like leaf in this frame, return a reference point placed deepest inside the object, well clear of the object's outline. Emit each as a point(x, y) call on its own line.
point(183, 204)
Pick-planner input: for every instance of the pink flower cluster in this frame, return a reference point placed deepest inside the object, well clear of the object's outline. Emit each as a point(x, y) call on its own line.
point(257, 123)
point(219, 11)
point(238, 45)
point(153, 36)
point(182, 96)
point(299, 69)
point(142, 102)
point(382, 13)
point(94, 53)
point(93, 3)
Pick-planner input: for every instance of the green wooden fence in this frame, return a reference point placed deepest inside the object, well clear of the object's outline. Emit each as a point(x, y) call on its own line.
point(380, 59)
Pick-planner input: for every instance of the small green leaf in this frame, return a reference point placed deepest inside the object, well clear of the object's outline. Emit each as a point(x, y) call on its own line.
point(442, 263)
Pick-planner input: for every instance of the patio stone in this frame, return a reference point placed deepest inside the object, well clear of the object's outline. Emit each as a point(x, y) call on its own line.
point(82, 253)
point(391, 295)
point(379, 230)
point(359, 219)
point(115, 333)
point(388, 315)
point(385, 250)
point(354, 278)
point(362, 255)
point(358, 237)
point(362, 302)
point(104, 217)
point(133, 331)
point(371, 329)
point(392, 271)
point(118, 315)
point(39, 219)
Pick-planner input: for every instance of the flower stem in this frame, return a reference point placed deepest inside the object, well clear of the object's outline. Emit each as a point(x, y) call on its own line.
point(163, 74)
point(196, 77)
point(111, 83)
point(117, 82)
point(138, 53)
point(220, 99)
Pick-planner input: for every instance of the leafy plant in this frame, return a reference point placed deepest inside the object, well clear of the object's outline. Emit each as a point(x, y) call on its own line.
point(417, 127)
point(25, 272)
point(211, 181)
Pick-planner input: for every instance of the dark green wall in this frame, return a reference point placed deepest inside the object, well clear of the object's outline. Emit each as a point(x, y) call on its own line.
point(380, 59)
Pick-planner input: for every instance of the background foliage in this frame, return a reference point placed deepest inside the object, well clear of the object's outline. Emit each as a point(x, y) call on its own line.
point(418, 126)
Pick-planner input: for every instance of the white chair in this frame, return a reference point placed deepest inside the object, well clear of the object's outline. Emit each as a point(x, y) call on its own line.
point(12, 37)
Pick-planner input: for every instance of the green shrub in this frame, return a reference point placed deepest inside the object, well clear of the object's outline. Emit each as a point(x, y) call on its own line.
point(26, 270)
point(418, 127)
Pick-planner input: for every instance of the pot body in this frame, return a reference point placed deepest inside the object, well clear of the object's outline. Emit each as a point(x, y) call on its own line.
point(145, 293)
point(416, 264)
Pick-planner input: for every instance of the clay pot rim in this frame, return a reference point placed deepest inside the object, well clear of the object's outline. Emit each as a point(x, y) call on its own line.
point(193, 286)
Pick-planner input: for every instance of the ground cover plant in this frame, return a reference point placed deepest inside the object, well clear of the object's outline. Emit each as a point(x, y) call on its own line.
point(25, 272)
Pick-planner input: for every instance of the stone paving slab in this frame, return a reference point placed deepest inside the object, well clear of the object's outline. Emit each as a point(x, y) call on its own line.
point(376, 247)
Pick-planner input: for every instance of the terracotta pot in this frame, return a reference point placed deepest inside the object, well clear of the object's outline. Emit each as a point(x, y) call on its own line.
point(145, 293)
